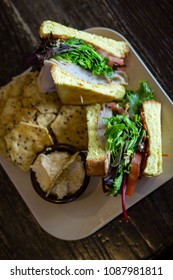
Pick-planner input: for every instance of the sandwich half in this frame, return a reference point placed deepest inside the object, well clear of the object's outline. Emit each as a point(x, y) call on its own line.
point(86, 68)
point(128, 147)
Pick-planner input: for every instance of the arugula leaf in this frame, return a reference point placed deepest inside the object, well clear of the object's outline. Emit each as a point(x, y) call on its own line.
point(135, 99)
point(117, 181)
point(86, 56)
point(74, 50)
point(45, 50)
point(123, 136)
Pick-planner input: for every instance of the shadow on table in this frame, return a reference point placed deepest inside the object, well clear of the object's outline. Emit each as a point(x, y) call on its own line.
point(166, 254)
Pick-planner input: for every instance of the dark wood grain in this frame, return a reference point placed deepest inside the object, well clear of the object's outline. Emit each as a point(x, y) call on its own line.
point(147, 25)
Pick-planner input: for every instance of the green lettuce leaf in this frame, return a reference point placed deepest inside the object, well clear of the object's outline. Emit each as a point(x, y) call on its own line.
point(123, 135)
point(135, 99)
point(86, 56)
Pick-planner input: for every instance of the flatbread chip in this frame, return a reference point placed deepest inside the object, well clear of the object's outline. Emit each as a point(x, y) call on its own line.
point(3, 146)
point(12, 114)
point(26, 98)
point(43, 102)
point(11, 111)
point(45, 120)
point(70, 126)
point(7, 114)
point(25, 141)
point(11, 96)
point(13, 89)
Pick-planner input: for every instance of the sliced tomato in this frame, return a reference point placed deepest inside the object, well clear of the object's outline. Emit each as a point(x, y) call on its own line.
point(134, 173)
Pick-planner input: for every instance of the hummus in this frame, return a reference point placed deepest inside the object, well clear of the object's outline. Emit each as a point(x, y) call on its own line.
point(57, 177)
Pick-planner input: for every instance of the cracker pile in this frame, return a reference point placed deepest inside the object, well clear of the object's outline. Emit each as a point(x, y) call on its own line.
point(31, 120)
point(73, 117)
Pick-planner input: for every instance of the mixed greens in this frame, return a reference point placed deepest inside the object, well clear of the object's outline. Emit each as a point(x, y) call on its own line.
point(124, 136)
point(84, 55)
point(134, 99)
point(73, 50)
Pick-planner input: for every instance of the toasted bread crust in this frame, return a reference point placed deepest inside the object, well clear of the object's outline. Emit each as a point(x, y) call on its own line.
point(152, 114)
point(98, 160)
point(115, 48)
point(97, 167)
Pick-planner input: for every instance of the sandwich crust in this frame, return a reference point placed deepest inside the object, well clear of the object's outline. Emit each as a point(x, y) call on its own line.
point(98, 160)
point(113, 47)
point(152, 115)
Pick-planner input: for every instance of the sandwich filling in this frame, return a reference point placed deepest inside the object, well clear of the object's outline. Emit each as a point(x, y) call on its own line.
point(80, 59)
point(126, 136)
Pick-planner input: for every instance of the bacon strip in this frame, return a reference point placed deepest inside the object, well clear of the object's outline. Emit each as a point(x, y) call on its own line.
point(112, 61)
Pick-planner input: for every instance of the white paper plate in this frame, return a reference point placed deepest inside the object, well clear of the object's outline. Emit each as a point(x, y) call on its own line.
point(94, 209)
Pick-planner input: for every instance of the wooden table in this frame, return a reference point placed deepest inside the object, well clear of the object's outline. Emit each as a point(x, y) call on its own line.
point(147, 25)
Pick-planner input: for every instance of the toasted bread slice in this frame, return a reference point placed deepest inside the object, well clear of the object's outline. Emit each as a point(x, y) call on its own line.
point(115, 48)
point(98, 160)
point(152, 115)
point(76, 91)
